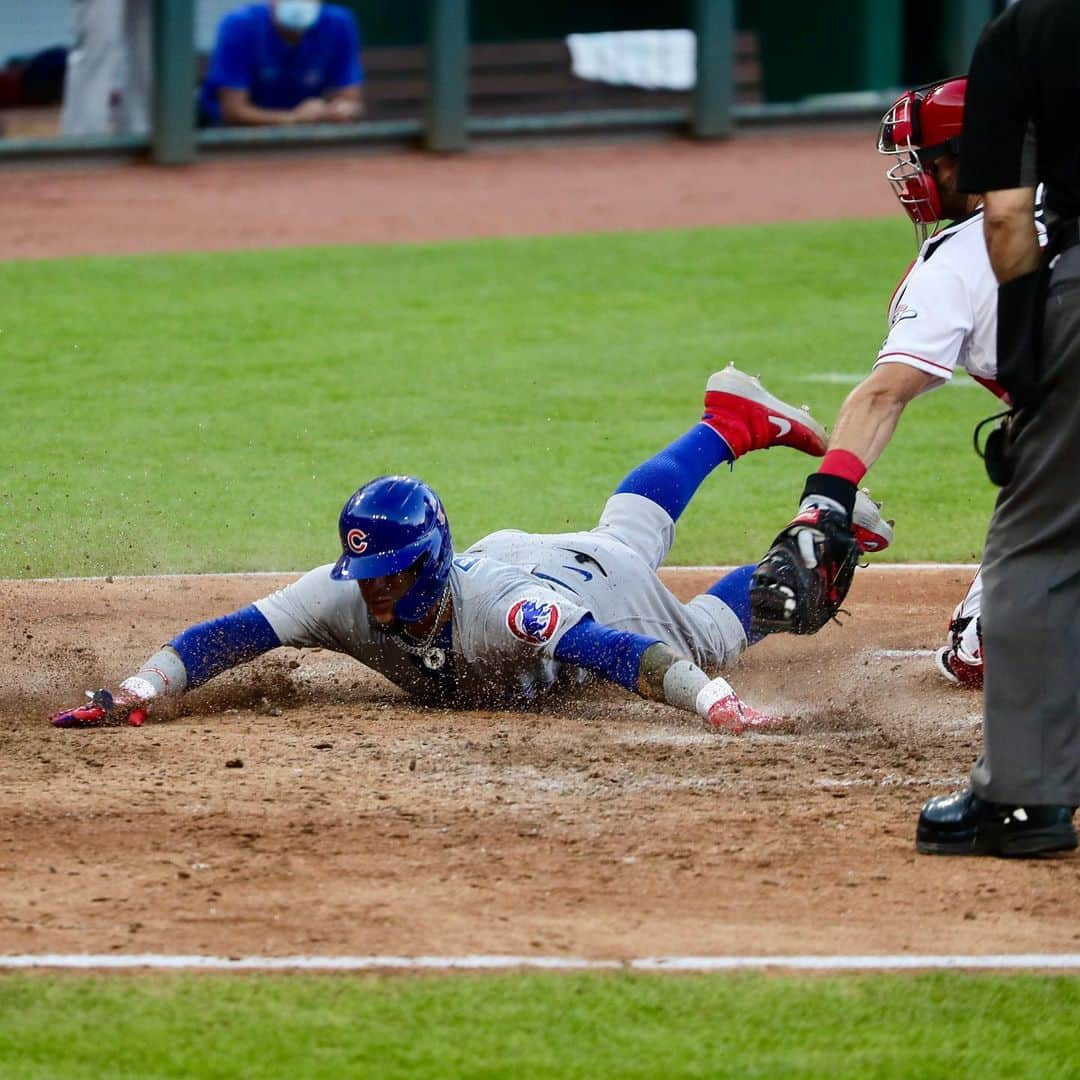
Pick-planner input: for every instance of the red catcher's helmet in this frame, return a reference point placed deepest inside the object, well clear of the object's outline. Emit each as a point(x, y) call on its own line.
point(922, 125)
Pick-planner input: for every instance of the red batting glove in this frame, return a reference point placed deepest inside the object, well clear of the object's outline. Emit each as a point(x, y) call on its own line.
point(103, 708)
point(724, 710)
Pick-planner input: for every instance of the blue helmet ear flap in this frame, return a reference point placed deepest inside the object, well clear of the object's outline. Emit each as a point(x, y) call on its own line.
point(387, 526)
point(430, 585)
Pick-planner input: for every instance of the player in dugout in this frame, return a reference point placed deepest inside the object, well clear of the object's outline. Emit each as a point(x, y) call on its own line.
point(517, 615)
point(284, 62)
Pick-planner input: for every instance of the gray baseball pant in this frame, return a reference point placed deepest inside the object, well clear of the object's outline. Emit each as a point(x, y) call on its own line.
point(1031, 597)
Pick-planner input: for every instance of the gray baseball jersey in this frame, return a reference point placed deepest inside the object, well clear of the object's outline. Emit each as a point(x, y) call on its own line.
point(514, 595)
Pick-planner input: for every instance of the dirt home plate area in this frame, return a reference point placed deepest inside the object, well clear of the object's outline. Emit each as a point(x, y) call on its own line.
point(302, 806)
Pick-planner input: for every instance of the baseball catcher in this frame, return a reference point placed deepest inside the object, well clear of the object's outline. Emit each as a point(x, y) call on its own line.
point(943, 315)
point(516, 615)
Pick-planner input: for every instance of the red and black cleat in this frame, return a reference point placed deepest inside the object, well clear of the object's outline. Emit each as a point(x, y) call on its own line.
point(961, 661)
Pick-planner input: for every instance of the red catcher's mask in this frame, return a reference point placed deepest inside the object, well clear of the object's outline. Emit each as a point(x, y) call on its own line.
point(922, 124)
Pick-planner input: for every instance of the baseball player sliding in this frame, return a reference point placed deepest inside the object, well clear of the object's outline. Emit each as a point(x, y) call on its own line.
point(942, 315)
point(518, 614)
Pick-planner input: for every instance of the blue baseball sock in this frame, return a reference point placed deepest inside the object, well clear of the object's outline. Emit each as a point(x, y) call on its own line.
point(671, 477)
point(734, 589)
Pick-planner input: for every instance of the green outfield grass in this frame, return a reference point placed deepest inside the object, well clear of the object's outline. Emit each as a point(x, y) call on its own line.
point(531, 1026)
point(213, 412)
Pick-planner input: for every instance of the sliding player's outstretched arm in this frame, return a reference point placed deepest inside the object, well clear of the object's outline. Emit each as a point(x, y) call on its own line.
point(655, 671)
point(190, 659)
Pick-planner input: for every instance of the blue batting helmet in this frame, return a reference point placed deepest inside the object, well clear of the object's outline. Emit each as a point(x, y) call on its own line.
point(387, 526)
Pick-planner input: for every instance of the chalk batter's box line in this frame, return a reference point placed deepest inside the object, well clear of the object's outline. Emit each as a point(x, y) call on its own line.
point(659, 964)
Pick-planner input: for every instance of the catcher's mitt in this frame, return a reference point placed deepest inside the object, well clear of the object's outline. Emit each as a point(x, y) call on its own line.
point(801, 582)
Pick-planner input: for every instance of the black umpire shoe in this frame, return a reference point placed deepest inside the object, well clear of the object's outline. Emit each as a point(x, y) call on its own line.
point(964, 824)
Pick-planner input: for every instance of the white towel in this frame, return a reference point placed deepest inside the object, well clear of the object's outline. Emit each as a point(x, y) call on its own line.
point(652, 59)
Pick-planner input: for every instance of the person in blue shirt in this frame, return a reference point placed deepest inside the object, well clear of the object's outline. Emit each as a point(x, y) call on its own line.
point(284, 62)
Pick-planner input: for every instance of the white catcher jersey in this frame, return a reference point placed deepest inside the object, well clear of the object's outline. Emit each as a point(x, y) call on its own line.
point(513, 596)
point(943, 314)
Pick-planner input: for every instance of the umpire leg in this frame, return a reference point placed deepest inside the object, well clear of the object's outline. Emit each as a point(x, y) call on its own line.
point(1031, 599)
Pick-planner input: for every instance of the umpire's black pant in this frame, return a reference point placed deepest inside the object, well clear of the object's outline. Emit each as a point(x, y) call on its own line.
point(1031, 597)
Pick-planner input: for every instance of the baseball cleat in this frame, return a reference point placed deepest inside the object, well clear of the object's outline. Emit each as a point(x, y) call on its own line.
point(872, 532)
point(747, 417)
point(958, 668)
point(961, 661)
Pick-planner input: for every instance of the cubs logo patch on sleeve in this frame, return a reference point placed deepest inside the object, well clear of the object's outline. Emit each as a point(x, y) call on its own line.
point(533, 621)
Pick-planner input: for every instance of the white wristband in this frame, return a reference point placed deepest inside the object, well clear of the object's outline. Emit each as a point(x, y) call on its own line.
point(713, 691)
point(140, 688)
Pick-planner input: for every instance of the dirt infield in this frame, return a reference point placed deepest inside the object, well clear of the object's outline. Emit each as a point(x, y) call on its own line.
point(604, 827)
point(302, 806)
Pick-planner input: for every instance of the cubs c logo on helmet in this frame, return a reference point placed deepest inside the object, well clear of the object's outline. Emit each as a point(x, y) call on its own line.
point(533, 621)
point(357, 541)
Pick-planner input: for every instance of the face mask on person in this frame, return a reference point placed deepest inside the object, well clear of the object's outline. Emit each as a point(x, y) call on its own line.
point(297, 15)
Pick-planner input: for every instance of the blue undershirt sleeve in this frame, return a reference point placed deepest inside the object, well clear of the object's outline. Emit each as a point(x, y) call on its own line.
point(209, 648)
point(615, 654)
point(671, 477)
point(734, 589)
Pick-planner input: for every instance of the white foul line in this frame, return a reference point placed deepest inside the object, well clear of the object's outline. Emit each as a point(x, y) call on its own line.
point(905, 961)
point(897, 654)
